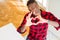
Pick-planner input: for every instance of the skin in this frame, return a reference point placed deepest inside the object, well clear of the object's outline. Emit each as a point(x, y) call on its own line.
point(34, 8)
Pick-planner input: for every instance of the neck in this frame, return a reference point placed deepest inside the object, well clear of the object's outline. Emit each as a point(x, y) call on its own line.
point(39, 14)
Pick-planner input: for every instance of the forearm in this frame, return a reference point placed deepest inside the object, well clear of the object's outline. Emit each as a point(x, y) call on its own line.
point(23, 28)
point(53, 23)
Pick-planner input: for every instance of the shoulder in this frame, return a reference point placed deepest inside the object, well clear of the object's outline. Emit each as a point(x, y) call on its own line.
point(46, 14)
point(43, 13)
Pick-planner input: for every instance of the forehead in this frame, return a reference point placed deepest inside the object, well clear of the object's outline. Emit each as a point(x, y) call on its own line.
point(32, 4)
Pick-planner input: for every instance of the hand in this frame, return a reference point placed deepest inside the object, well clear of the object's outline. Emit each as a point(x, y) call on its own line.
point(29, 23)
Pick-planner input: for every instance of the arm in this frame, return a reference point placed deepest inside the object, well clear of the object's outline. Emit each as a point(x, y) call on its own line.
point(52, 19)
point(22, 28)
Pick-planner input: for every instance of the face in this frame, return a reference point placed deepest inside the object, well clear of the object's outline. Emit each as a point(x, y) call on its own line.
point(34, 8)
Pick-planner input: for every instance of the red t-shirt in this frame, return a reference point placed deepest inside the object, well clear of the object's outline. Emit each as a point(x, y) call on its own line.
point(39, 31)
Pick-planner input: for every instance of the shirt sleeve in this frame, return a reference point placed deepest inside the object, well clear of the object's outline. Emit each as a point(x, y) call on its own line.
point(22, 24)
point(50, 16)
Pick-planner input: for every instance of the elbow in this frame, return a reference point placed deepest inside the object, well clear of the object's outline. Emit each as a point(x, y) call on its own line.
point(18, 30)
point(58, 27)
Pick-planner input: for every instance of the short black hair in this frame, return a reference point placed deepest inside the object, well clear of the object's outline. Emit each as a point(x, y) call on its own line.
point(30, 1)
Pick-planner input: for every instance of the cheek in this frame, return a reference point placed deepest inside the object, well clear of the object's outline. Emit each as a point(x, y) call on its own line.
point(30, 9)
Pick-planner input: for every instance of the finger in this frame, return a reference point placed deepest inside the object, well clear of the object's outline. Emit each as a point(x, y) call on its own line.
point(30, 15)
point(34, 12)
